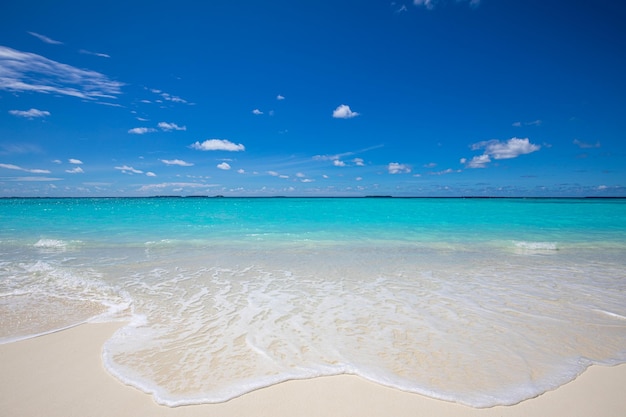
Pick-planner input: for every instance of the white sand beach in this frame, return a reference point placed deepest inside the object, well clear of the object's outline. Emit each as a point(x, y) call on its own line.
point(61, 374)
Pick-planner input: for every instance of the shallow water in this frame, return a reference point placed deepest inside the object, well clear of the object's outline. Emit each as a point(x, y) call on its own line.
point(482, 302)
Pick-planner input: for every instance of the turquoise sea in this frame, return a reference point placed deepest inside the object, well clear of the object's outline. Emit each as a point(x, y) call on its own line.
point(478, 301)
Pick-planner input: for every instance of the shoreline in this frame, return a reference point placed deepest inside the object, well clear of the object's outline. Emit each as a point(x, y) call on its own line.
point(61, 374)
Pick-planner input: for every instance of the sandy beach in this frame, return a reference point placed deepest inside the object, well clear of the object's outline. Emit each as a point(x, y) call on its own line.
point(61, 374)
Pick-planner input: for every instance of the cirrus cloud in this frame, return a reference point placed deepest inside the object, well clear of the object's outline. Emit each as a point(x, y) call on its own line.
point(30, 114)
point(19, 168)
point(25, 71)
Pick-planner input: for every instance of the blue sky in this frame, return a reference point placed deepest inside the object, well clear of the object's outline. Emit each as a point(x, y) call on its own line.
point(330, 98)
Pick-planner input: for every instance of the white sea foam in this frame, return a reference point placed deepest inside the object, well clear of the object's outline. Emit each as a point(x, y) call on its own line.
point(535, 247)
point(41, 297)
point(51, 244)
point(215, 325)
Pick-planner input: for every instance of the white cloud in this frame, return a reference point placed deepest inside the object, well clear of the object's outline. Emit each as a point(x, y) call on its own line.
point(307, 180)
point(23, 71)
point(141, 130)
point(533, 123)
point(396, 168)
point(178, 162)
point(217, 145)
point(241, 171)
point(257, 112)
point(300, 175)
point(273, 173)
point(76, 170)
point(479, 161)
point(358, 162)
point(32, 179)
point(19, 168)
point(170, 126)
point(83, 51)
point(445, 171)
point(178, 185)
point(344, 112)
point(280, 97)
point(339, 163)
point(75, 161)
point(430, 4)
point(584, 145)
point(128, 170)
point(30, 114)
point(224, 165)
point(512, 148)
point(496, 149)
point(150, 174)
point(45, 39)
point(57, 161)
point(168, 97)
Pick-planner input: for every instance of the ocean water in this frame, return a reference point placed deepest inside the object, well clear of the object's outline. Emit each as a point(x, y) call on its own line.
point(477, 301)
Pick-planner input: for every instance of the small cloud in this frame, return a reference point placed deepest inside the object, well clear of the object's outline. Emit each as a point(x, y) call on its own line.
point(76, 170)
point(339, 163)
point(128, 170)
point(224, 165)
point(479, 161)
point(584, 145)
point(170, 126)
point(512, 148)
point(307, 180)
point(344, 112)
point(83, 51)
point(445, 171)
point(273, 173)
point(359, 178)
point(19, 168)
point(241, 171)
point(217, 145)
point(57, 161)
point(358, 162)
point(280, 97)
point(430, 4)
point(257, 112)
point(168, 97)
point(178, 162)
point(402, 9)
point(430, 165)
point(45, 39)
point(150, 174)
point(141, 130)
point(30, 114)
point(75, 161)
point(533, 123)
point(396, 168)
